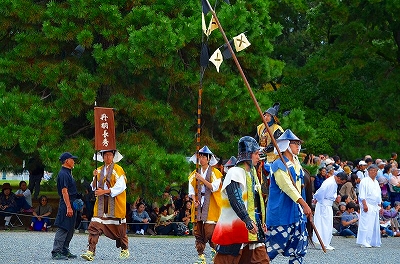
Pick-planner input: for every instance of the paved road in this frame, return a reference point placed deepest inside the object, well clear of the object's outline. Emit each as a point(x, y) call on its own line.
point(35, 247)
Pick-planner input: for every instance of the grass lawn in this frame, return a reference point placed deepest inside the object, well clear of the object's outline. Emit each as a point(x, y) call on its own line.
point(15, 187)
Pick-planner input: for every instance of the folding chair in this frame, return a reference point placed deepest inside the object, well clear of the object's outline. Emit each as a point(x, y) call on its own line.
point(17, 222)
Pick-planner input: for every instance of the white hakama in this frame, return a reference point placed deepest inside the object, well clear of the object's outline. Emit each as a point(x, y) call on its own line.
point(323, 217)
point(368, 227)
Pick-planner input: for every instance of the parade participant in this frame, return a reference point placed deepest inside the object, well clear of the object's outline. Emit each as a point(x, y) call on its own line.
point(109, 184)
point(323, 217)
point(287, 209)
point(207, 183)
point(370, 200)
point(229, 164)
point(240, 230)
point(66, 214)
point(263, 137)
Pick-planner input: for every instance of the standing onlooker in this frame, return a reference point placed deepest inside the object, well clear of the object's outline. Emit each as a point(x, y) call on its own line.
point(319, 178)
point(349, 188)
point(323, 217)
point(362, 170)
point(394, 185)
point(206, 199)
point(66, 215)
point(287, 209)
point(370, 200)
point(393, 159)
point(387, 172)
point(109, 215)
point(337, 165)
point(330, 171)
point(240, 230)
point(381, 165)
point(36, 173)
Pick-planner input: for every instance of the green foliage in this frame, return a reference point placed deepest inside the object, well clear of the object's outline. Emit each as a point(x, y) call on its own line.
point(139, 57)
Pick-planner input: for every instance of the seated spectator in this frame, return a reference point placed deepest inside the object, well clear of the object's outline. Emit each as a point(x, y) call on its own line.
point(397, 208)
point(155, 210)
point(390, 215)
point(41, 214)
point(165, 225)
point(349, 188)
point(338, 217)
point(141, 218)
point(335, 204)
point(179, 200)
point(23, 198)
point(153, 213)
point(384, 225)
point(349, 219)
point(185, 216)
point(168, 201)
point(82, 219)
point(89, 199)
point(130, 207)
point(345, 199)
point(8, 205)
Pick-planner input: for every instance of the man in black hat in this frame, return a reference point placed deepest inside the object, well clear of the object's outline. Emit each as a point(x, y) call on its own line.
point(66, 215)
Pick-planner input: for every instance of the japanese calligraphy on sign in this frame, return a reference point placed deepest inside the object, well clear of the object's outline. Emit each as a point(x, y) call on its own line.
point(104, 128)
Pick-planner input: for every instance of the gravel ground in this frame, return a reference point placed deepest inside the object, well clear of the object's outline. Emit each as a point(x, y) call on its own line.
point(35, 247)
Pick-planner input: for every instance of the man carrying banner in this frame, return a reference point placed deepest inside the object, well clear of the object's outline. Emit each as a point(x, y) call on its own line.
point(207, 183)
point(109, 184)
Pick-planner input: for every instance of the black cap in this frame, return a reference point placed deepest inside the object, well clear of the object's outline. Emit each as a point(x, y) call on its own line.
point(67, 155)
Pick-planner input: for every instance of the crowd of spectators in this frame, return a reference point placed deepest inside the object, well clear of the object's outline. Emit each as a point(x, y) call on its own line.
point(173, 217)
point(346, 208)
